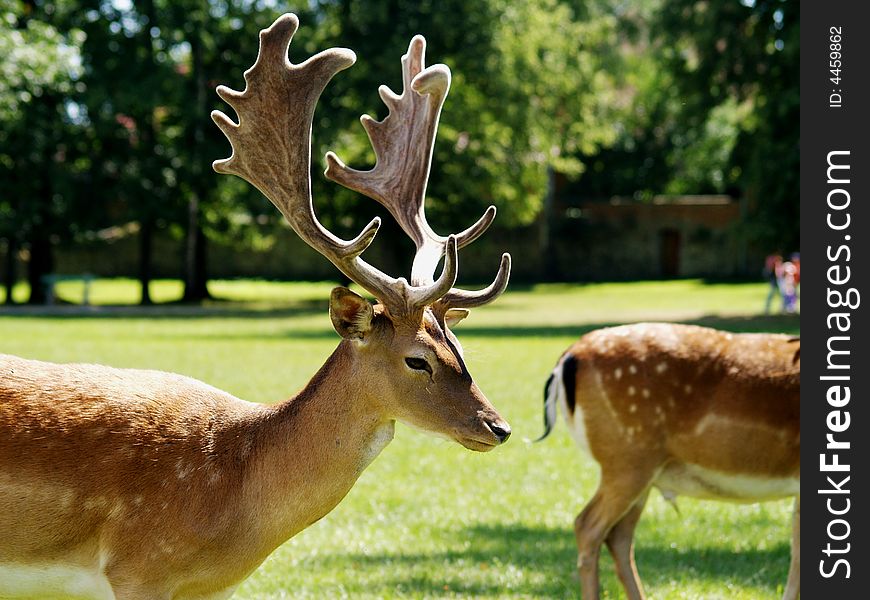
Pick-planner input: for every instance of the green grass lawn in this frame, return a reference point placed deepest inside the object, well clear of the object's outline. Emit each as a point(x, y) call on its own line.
point(430, 519)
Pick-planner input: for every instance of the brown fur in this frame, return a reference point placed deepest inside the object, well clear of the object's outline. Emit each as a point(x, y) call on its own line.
point(175, 489)
point(659, 400)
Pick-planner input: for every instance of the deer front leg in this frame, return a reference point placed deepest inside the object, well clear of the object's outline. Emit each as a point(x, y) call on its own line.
point(612, 501)
point(620, 542)
point(793, 587)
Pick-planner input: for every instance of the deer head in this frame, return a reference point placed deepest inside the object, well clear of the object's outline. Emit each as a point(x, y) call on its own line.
point(402, 352)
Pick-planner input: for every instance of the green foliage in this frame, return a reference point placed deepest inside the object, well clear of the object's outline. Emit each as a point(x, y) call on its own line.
point(104, 109)
point(709, 103)
point(528, 92)
point(35, 59)
point(45, 162)
point(743, 57)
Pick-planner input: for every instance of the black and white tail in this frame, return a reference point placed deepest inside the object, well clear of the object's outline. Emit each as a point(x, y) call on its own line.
point(559, 387)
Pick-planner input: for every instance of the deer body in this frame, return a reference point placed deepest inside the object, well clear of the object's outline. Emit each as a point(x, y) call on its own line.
point(689, 410)
point(213, 482)
point(140, 485)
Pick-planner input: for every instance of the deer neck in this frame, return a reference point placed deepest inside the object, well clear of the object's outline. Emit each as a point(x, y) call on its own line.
point(315, 446)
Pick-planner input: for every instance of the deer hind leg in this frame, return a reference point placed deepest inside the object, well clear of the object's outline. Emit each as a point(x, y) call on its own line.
point(615, 498)
point(620, 542)
point(793, 587)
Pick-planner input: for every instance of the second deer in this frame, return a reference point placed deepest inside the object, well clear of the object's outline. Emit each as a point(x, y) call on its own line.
point(689, 410)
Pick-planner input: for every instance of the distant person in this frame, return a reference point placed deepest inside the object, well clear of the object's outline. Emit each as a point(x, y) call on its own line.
point(788, 279)
point(772, 272)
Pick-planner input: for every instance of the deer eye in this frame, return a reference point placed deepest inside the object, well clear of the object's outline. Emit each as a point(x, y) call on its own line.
point(418, 364)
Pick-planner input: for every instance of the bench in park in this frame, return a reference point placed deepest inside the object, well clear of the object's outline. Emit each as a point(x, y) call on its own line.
point(49, 282)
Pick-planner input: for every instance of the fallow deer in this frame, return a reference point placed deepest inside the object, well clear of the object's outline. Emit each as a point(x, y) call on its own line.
point(686, 409)
point(142, 485)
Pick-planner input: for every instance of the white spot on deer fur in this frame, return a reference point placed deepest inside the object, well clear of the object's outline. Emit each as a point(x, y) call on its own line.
point(66, 498)
point(182, 470)
point(632, 369)
point(618, 373)
point(631, 390)
point(614, 415)
point(645, 392)
point(137, 500)
point(661, 367)
point(117, 510)
point(632, 408)
point(165, 547)
point(687, 388)
point(94, 503)
point(671, 402)
point(658, 410)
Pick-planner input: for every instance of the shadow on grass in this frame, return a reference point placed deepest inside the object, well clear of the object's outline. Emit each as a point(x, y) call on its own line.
point(769, 324)
point(739, 324)
point(547, 558)
point(789, 324)
point(302, 308)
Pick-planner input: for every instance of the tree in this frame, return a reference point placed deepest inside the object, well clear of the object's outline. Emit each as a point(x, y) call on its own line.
point(710, 93)
point(127, 88)
point(151, 69)
point(207, 38)
point(44, 161)
point(527, 94)
point(743, 58)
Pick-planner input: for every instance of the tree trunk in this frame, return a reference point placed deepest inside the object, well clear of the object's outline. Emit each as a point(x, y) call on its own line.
point(549, 264)
point(149, 143)
point(41, 264)
point(146, 237)
point(196, 279)
point(9, 271)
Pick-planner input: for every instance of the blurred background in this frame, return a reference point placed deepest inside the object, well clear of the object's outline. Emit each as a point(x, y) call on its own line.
point(643, 156)
point(619, 139)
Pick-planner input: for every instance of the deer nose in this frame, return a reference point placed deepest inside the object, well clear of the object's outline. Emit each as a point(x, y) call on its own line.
point(501, 430)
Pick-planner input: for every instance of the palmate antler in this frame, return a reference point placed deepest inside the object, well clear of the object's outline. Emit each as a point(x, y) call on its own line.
point(272, 150)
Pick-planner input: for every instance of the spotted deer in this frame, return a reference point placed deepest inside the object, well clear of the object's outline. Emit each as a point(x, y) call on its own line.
point(141, 485)
point(688, 410)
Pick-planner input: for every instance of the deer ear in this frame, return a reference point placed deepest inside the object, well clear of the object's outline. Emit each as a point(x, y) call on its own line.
point(351, 314)
point(454, 315)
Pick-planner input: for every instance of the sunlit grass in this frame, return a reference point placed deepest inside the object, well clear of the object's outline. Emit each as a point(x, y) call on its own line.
point(429, 519)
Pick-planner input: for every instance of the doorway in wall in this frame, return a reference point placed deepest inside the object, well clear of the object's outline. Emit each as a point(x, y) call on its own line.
point(669, 253)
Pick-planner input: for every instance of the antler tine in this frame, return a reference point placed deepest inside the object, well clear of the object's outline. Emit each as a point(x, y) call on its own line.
point(271, 149)
point(458, 298)
point(403, 144)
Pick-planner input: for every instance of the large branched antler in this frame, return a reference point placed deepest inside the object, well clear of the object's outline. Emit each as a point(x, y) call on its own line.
point(272, 150)
point(403, 143)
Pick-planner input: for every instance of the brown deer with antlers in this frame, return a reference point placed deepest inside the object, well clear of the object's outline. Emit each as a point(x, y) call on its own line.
point(141, 485)
point(689, 410)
